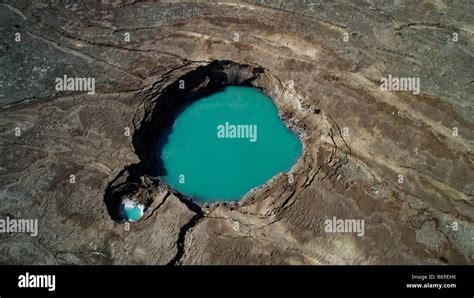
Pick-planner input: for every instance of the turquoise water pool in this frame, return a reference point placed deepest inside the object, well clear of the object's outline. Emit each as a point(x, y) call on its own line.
point(131, 211)
point(223, 145)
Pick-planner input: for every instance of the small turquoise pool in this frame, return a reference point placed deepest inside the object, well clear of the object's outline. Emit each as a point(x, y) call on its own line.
point(131, 211)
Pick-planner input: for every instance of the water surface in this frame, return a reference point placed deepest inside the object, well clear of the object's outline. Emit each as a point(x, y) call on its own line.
point(223, 145)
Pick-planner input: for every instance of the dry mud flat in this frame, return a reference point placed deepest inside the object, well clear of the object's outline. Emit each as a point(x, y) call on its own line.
point(358, 139)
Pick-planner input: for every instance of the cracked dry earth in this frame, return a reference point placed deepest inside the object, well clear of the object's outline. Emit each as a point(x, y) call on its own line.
point(350, 175)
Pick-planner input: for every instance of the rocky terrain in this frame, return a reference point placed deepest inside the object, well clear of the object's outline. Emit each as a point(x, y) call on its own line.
point(400, 161)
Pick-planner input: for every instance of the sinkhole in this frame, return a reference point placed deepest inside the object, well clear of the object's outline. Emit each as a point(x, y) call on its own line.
point(212, 135)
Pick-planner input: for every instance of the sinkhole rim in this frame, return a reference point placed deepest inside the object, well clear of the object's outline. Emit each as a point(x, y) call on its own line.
point(160, 113)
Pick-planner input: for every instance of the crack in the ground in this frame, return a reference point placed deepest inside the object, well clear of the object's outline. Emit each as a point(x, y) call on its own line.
point(436, 26)
point(180, 242)
point(182, 238)
point(288, 199)
point(165, 198)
